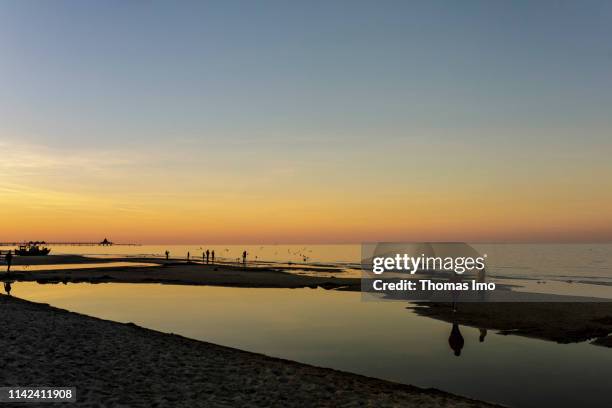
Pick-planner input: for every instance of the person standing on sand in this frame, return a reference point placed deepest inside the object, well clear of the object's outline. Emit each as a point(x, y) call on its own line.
point(167, 254)
point(213, 256)
point(7, 287)
point(207, 255)
point(9, 260)
point(244, 255)
point(188, 255)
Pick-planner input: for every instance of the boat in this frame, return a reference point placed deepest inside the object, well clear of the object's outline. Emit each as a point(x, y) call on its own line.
point(32, 249)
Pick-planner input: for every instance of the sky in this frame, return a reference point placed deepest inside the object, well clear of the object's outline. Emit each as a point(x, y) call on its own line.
point(306, 122)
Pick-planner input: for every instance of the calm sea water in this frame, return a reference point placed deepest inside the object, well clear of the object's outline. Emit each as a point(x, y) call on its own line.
point(532, 261)
point(336, 329)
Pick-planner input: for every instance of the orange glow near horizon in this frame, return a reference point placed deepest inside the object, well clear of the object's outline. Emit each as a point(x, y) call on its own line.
point(467, 212)
point(57, 195)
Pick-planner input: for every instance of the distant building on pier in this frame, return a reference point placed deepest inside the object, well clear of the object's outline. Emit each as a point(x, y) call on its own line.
point(106, 242)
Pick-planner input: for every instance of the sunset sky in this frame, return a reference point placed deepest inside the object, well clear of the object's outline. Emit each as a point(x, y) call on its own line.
point(318, 122)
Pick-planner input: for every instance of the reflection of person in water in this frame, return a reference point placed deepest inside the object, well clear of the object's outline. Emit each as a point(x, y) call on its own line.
point(483, 334)
point(9, 260)
point(7, 287)
point(455, 341)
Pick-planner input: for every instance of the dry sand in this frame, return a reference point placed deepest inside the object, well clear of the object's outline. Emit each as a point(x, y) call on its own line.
point(123, 365)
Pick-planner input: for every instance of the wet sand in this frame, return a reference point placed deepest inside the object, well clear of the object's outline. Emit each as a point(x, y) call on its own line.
point(123, 365)
point(186, 273)
point(56, 259)
point(559, 322)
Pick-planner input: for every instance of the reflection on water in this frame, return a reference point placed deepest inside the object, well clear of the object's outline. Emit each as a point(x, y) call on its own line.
point(566, 262)
point(335, 329)
point(86, 265)
point(456, 340)
point(296, 254)
point(8, 287)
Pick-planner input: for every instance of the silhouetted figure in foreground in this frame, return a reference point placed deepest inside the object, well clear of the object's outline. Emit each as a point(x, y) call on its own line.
point(213, 256)
point(167, 254)
point(207, 255)
point(244, 255)
point(7, 287)
point(9, 260)
point(455, 341)
point(188, 256)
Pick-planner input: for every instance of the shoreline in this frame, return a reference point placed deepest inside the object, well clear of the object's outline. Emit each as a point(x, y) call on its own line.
point(560, 322)
point(120, 364)
point(181, 272)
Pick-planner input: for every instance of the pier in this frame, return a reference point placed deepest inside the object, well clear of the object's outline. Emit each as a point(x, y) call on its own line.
point(15, 243)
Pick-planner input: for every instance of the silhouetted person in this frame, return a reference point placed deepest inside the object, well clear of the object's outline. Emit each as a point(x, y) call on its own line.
point(9, 260)
point(7, 287)
point(207, 255)
point(213, 256)
point(455, 341)
point(244, 255)
point(483, 334)
point(167, 254)
point(188, 256)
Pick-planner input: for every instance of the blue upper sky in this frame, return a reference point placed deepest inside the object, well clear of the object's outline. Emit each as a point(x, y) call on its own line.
point(77, 72)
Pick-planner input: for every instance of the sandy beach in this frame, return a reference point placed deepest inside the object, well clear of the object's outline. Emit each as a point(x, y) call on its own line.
point(123, 365)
